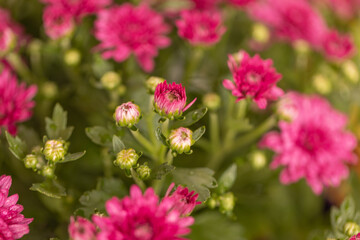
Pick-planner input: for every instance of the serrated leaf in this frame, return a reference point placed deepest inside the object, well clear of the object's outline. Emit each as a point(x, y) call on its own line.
point(56, 126)
point(163, 170)
point(227, 179)
point(16, 146)
point(160, 136)
point(197, 179)
point(198, 133)
point(72, 157)
point(118, 145)
point(99, 135)
point(190, 118)
point(50, 188)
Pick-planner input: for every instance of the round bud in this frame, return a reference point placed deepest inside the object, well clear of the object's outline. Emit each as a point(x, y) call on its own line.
point(121, 90)
point(302, 47)
point(126, 158)
point(110, 80)
point(350, 70)
point(72, 57)
point(351, 228)
point(212, 203)
point(152, 82)
point(322, 84)
point(258, 159)
point(143, 171)
point(49, 90)
point(30, 161)
point(127, 114)
point(212, 101)
point(260, 33)
point(227, 202)
point(48, 171)
point(181, 140)
point(55, 150)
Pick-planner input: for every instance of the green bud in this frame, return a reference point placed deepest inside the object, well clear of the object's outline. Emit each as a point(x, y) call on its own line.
point(258, 159)
point(30, 161)
point(55, 150)
point(72, 57)
point(152, 82)
point(48, 171)
point(302, 47)
point(227, 202)
point(143, 171)
point(351, 228)
point(110, 80)
point(322, 84)
point(212, 203)
point(350, 70)
point(126, 158)
point(49, 90)
point(260, 33)
point(212, 101)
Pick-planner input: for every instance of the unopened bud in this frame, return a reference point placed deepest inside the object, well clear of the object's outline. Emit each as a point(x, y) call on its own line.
point(181, 140)
point(143, 171)
point(55, 150)
point(322, 84)
point(260, 33)
point(258, 159)
point(212, 101)
point(351, 228)
point(302, 47)
point(110, 80)
point(286, 109)
point(30, 161)
point(127, 114)
point(49, 90)
point(212, 203)
point(72, 57)
point(48, 171)
point(152, 82)
point(350, 70)
point(126, 158)
point(227, 202)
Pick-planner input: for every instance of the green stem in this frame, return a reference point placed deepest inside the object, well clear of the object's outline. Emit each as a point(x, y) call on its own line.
point(149, 121)
point(214, 132)
point(17, 63)
point(143, 141)
point(137, 180)
point(158, 184)
point(193, 62)
point(107, 163)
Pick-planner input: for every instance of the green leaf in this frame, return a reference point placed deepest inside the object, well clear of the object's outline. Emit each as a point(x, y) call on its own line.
point(227, 179)
point(99, 135)
point(190, 118)
point(160, 136)
point(56, 126)
point(73, 156)
point(118, 145)
point(198, 133)
point(16, 146)
point(163, 170)
point(50, 188)
point(212, 225)
point(197, 179)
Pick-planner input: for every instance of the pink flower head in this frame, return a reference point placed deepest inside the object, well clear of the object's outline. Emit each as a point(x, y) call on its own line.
point(58, 22)
point(254, 78)
point(355, 237)
point(170, 100)
point(338, 47)
point(200, 27)
point(126, 29)
point(13, 225)
point(81, 229)
point(314, 145)
point(15, 101)
point(11, 34)
point(240, 3)
point(205, 4)
point(184, 200)
point(142, 217)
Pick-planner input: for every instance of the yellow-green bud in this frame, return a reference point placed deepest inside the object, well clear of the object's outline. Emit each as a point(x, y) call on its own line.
point(258, 159)
point(30, 161)
point(152, 82)
point(302, 47)
point(48, 171)
point(322, 84)
point(181, 140)
point(49, 90)
point(351, 228)
point(212, 101)
point(126, 158)
point(110, 80)
point(72, 57)
point(260, 33)
point(212, 203)
point(143, 171)
point(55, 150)
point(227, 202)
point(350, 70)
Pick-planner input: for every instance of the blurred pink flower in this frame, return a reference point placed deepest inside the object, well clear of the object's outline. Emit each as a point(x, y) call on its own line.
point(205, 4)
point(127, 29)
point(170, 100)
point(15, 101)
point(13, 225)
point(345, 9)
point(81, 229)
point(337, 47)
point(254, 78)
point(142, 217)
point(241, 3)
point(183, 200)
point(200, 27)
point(11, 33)
point(314, 145)
point(355, 237)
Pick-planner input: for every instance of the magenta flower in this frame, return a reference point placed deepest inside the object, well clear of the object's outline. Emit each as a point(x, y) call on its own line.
point(345, 9)
point(15, 101)
point(241, 3)
point(355, 237)
point(11, 34)
point(205, 4)
point(170, 100)
point(184, 201)
point(314, 145)
point(200, 27)
point(81, 229)
point(126, 29)
point(254, 78)
point(142, 217)
point(338, 47)
point(13, 225)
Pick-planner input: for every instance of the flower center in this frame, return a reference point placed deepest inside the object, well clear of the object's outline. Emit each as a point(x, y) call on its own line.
point(172, 96)
point(312, 140)
point(143, 232)
point(253, 77)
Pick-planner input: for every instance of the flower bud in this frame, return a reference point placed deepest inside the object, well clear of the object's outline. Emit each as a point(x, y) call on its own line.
point(110, 80)
point(286, 109)
point(48, 171)
point(144, 171)
point(127, 114)
point(227, 202)
point(302, 47)
point(322, 84)
point(30, 161)
point(126, 158)
point(152, 82)
point(72, 57)
point(49, 90)
point(212, 101)
point(351, 228)
point(181, 140)
point(258, 159)
point(350, 70)
point(212, 203)
point(260, 33)
point(55, 150)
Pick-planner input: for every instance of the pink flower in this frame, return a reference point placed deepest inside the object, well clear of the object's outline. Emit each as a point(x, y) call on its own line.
point(200, 27)
point(241, 3)
point(13, 225)
point(170, 100)
point(126, 29)
point(58, 22)
point(338, 47)
point(11, 34)
point(314, 145)
point(205, 4)
point(355, 237)
point(184, 201)
point(15, 101)
point(254, 78)
point(142, 217)
point(81, 229)
point(345, 9)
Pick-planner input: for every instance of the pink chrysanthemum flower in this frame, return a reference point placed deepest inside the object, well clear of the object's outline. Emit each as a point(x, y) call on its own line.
point(345, 9)
point(314, 145)
point(11, 34)
point(355, 237)
point(200, 27)
point(127, 114)
point(142, 217)
point(338, 47)
point(170, 100)
point(254, 78)
point(126, 29)
point(81, 229)
point(205, 4)
point(13, 225)
point(184, 201)
point(15, 101)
